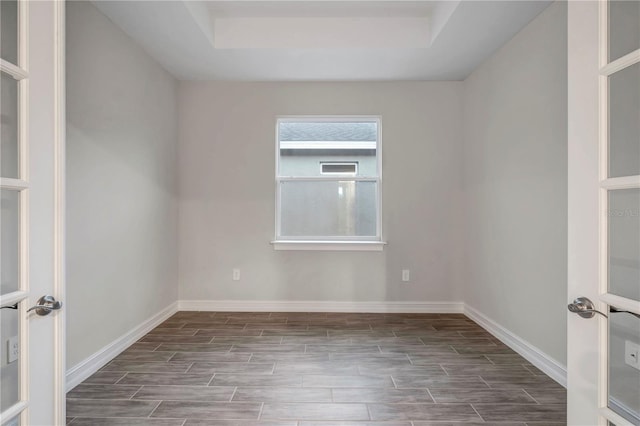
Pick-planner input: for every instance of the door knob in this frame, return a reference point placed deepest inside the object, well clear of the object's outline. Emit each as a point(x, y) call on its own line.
point(45, 305)
point(584, 307)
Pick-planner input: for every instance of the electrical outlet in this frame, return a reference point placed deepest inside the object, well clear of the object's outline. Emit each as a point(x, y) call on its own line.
point(632, 354)
point(405, 275)
point(236, 274)
point(13, 349)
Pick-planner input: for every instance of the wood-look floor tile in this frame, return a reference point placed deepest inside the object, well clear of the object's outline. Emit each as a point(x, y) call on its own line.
point(470, 424)
point(185, 393)
point(404, 370)
point(322, 367)
point(506, 359)
point(548, 396)
point(416, 349)
point(174, 339)
point(238, 340)
point(386, 358)
point(429, 359)
point(482, 349)
point(323, 381)
point(481, 370)
point(203, 422)
point(125, 421)
point(139, 346)
point(313, 411)
point(446, 395)
point(343, 348)
point(104, 377)
point(446, 412)
point(282, 394)
point(261, 357)
point(498, 381)
point(299, 331)
point(231, 368)
point(316, 340)
point(263, 380)
point(181, 347)
point(522, 412)
point(388, 395)
point(146, 366)
point(144, 356)
point(160, 379)
point(211, 357)
point(366, 423)
point(362, 333)
point(173, 332)
point(219, 332)
point(208, 410)
point(87, 391)
point(248, 347)
point(108, 407)
point(424, 382)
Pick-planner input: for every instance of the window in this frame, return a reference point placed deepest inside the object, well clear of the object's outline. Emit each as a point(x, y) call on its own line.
point(328, 183)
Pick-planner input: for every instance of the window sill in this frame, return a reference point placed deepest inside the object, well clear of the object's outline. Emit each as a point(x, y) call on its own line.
point(329, 245)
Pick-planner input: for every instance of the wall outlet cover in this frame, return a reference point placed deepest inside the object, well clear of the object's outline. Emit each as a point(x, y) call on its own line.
point(13, 349)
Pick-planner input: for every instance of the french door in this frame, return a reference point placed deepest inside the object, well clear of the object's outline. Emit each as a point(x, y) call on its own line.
point(31, 214)
point(604, 213)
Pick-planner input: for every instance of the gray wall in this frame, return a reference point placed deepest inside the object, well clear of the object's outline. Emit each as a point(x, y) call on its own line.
point(121, 184)
point(227, 187)
point(515, 184)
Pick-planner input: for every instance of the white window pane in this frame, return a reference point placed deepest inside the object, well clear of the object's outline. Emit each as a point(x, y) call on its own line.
point(9, 241)
point(328, 209)
point(305, 146)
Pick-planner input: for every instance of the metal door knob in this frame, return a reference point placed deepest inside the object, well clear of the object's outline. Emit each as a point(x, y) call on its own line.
point(584, 307)
point(45, 305)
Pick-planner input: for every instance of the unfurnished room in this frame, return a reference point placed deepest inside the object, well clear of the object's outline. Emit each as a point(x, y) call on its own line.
point(320, 213)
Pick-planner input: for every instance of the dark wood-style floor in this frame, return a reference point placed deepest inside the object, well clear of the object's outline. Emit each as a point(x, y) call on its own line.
point(312, 369)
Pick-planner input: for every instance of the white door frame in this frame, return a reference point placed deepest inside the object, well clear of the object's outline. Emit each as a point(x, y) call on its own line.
point(588, 185)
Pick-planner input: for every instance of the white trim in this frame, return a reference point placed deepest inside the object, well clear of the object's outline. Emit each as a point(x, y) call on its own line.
point(59, 250)
point(13, 411)
point(13, 70)
point(626, 182)
point(79, 372)
point(327, 145)
point(11, 183)
point(624, 303)
point(328, 245)
point(621, 407)
point(319, 306)
point(12, 298)
point(535, 356)
point(614, 417)
point(621, 63)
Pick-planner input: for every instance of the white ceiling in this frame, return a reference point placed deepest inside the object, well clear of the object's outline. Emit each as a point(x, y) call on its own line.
point(328, 40)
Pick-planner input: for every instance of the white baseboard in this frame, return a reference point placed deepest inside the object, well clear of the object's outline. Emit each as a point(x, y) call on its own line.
point(79, 372)
point(535, 356)
point(319, 306)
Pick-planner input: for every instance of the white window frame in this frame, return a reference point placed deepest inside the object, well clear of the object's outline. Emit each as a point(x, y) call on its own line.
point(339, 163)
point(356, 243)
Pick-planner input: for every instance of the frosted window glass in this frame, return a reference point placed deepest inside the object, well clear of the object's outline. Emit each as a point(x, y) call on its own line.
point(624, 243)
point(8, 126)
point(9, 241)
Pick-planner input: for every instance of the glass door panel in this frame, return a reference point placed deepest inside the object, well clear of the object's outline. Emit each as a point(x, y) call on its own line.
point(624, 375)
point(9, 31)
point(9, 157)
point(624, 122)
point(9, 361)
point(624, 28)
point(624, 243)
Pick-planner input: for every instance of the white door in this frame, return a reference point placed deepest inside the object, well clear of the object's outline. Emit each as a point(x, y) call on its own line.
point(31, 232)
point(604, 212)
